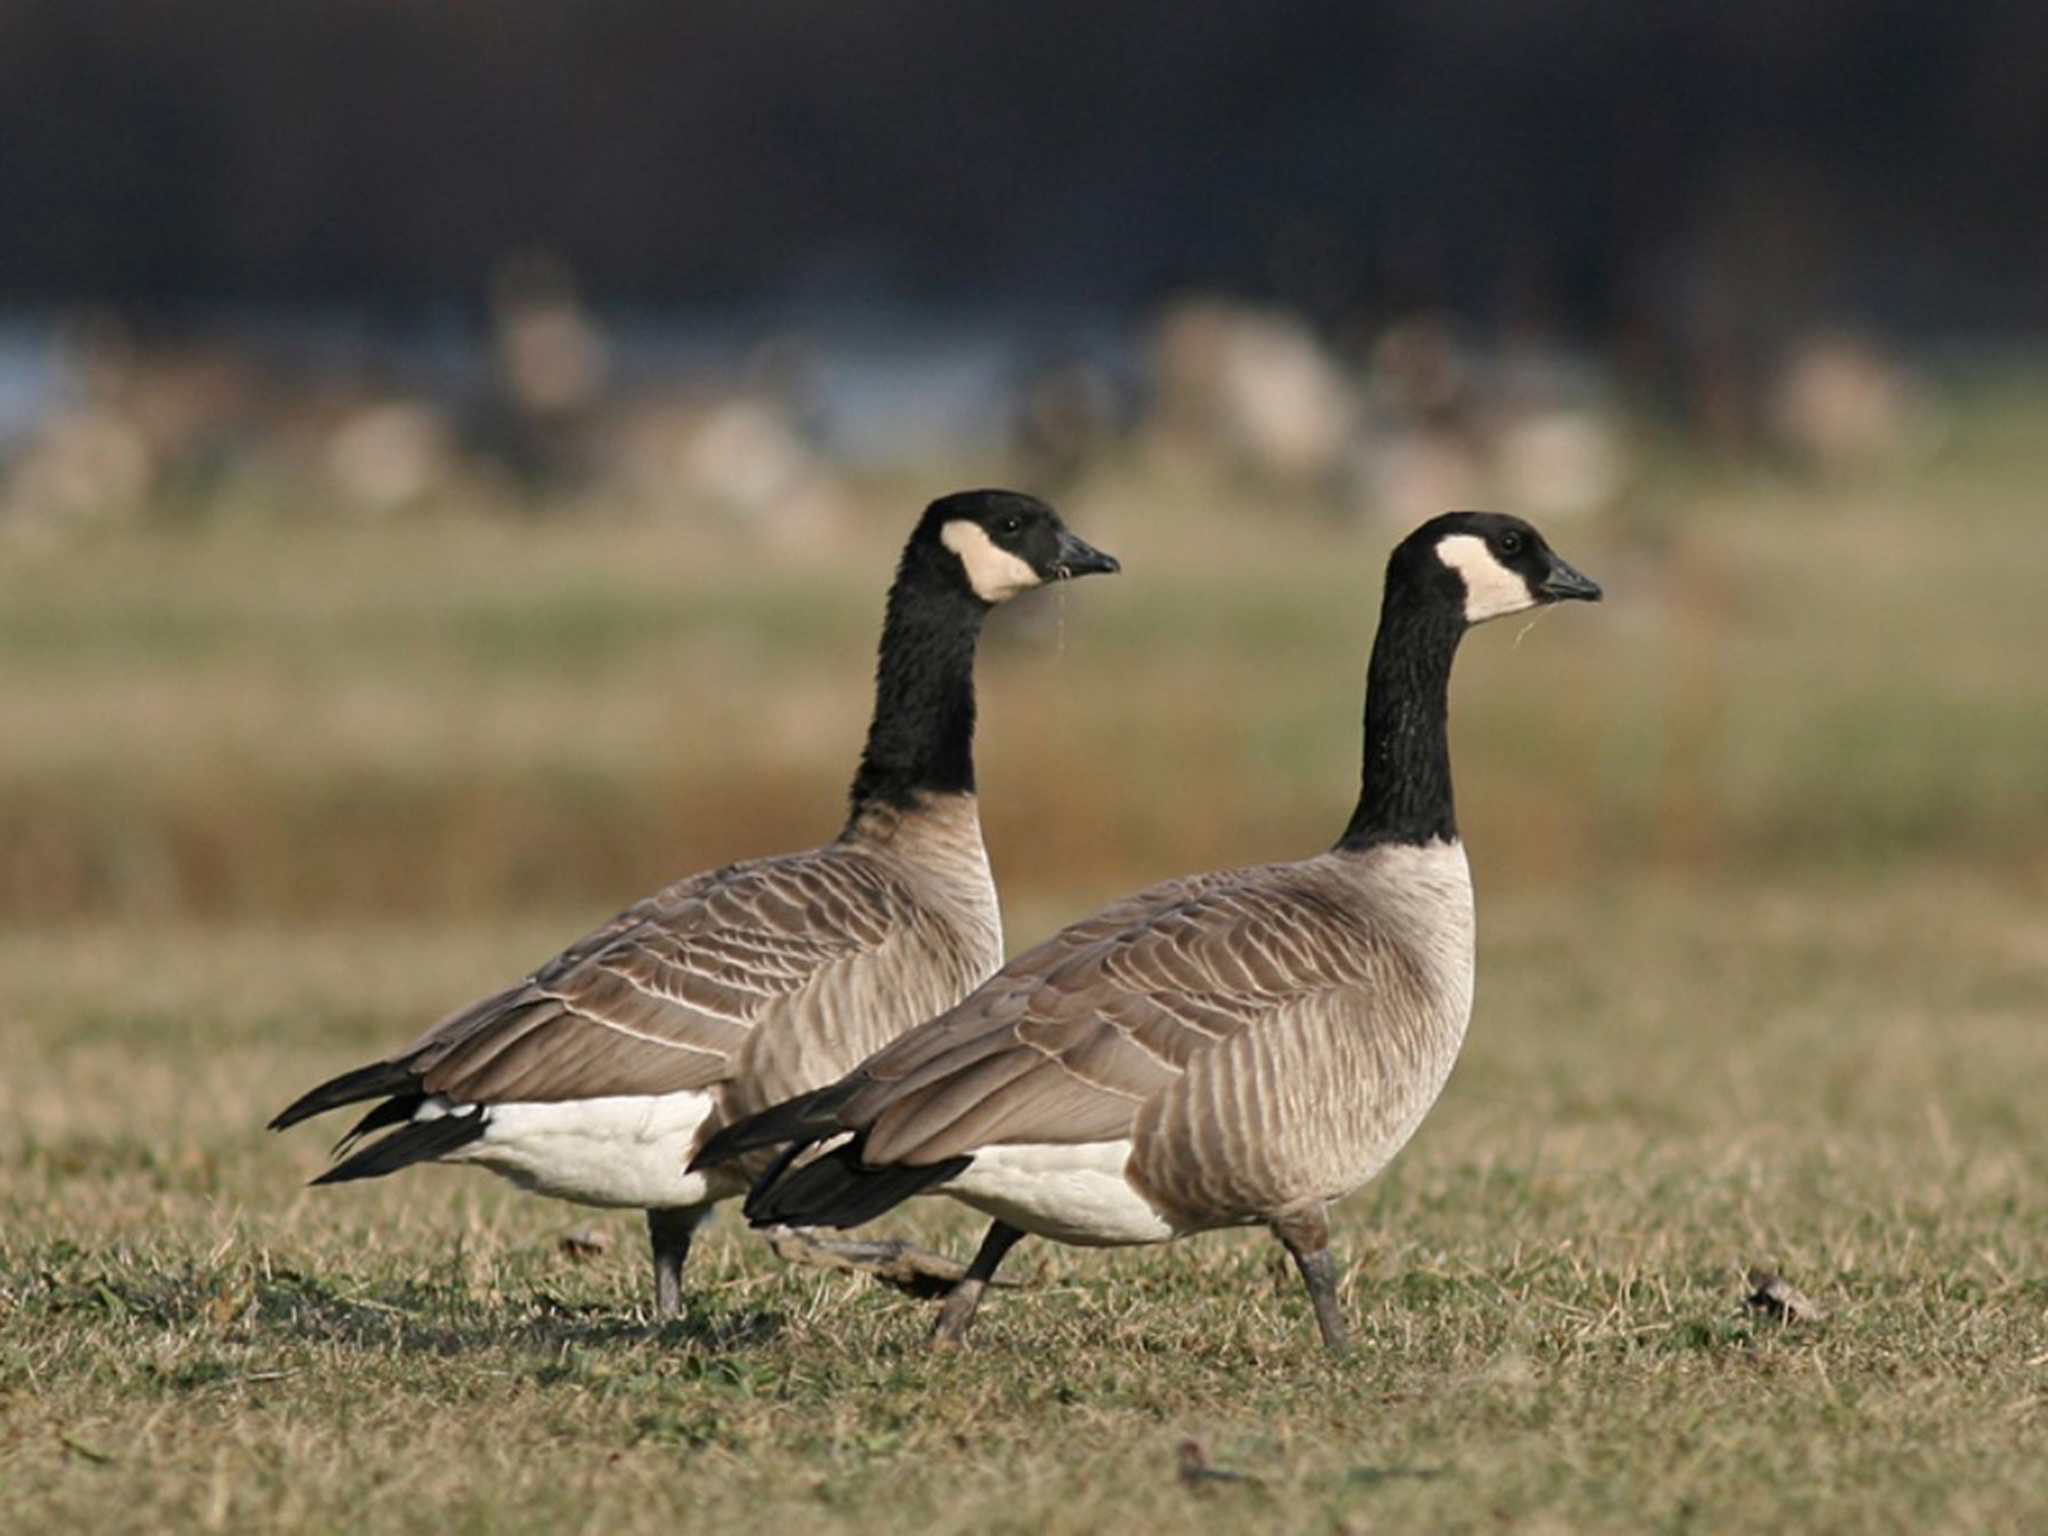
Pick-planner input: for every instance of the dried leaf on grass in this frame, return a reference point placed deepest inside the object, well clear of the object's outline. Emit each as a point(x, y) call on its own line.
point(1771, 1294)
point(584, 1244)
point(1193, 1469)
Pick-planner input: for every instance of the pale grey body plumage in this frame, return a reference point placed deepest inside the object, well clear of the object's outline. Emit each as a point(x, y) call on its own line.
point(1262, 1039)
point(732, 988)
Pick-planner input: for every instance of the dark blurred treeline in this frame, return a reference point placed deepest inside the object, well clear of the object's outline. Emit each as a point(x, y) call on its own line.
point(1588, 167)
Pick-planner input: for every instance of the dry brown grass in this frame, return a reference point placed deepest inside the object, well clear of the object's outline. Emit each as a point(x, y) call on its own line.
point(1663, 1088)
point(1763, 852)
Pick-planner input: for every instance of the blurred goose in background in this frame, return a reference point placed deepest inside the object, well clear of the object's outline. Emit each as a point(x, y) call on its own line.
point(1227, 1049)
point(596, 1077)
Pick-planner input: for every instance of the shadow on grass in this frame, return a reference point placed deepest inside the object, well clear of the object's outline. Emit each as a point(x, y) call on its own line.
point(416, 1316)
point(399, 1315)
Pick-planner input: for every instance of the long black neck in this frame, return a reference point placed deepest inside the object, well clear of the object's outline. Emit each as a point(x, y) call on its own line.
point(921, 740)
point(1405, 790)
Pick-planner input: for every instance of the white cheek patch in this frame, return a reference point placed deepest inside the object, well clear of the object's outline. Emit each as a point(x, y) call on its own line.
point(995, 574)
point(1491, 589)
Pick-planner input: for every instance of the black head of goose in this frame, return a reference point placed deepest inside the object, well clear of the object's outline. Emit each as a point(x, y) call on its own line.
point(1226, 1049)
point(595, 1077)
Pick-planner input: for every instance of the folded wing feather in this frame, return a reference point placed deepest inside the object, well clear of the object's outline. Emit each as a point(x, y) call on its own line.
point(1071, 1041)
point(665, 997)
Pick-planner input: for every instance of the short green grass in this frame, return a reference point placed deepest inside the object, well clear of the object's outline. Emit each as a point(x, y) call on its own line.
point(1763, 855)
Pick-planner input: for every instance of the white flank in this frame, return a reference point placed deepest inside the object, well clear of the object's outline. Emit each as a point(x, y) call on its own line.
point(625, 1151)
point(1491, 589)
point(1075, 1194)
point(995, 574)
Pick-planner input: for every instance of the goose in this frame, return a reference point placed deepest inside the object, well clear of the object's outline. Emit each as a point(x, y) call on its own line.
point(595, 1077)
point(1237, 1048)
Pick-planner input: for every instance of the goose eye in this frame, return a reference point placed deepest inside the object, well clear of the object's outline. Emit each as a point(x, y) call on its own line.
point(1510, 542)
point(1009, 525)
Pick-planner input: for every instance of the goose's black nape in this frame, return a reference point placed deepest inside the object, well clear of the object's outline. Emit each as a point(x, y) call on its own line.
point(1456, 570)
point(970, 551)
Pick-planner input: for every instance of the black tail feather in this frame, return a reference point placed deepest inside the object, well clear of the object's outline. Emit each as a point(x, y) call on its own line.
point(371, 1082)
point(393, 1111)
point(420, 1142)
point(807, 1117)
point(838, 1190)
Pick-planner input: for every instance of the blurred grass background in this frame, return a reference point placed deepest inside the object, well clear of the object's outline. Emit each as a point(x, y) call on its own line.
point(474, 715)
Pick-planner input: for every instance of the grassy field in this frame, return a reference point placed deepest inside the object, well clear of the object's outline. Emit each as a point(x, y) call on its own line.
point(1762, 847)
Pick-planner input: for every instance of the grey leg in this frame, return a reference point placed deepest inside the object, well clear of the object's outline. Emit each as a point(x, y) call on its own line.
point(1306, 1235)
point(965, 1298)
point(670, 1232)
